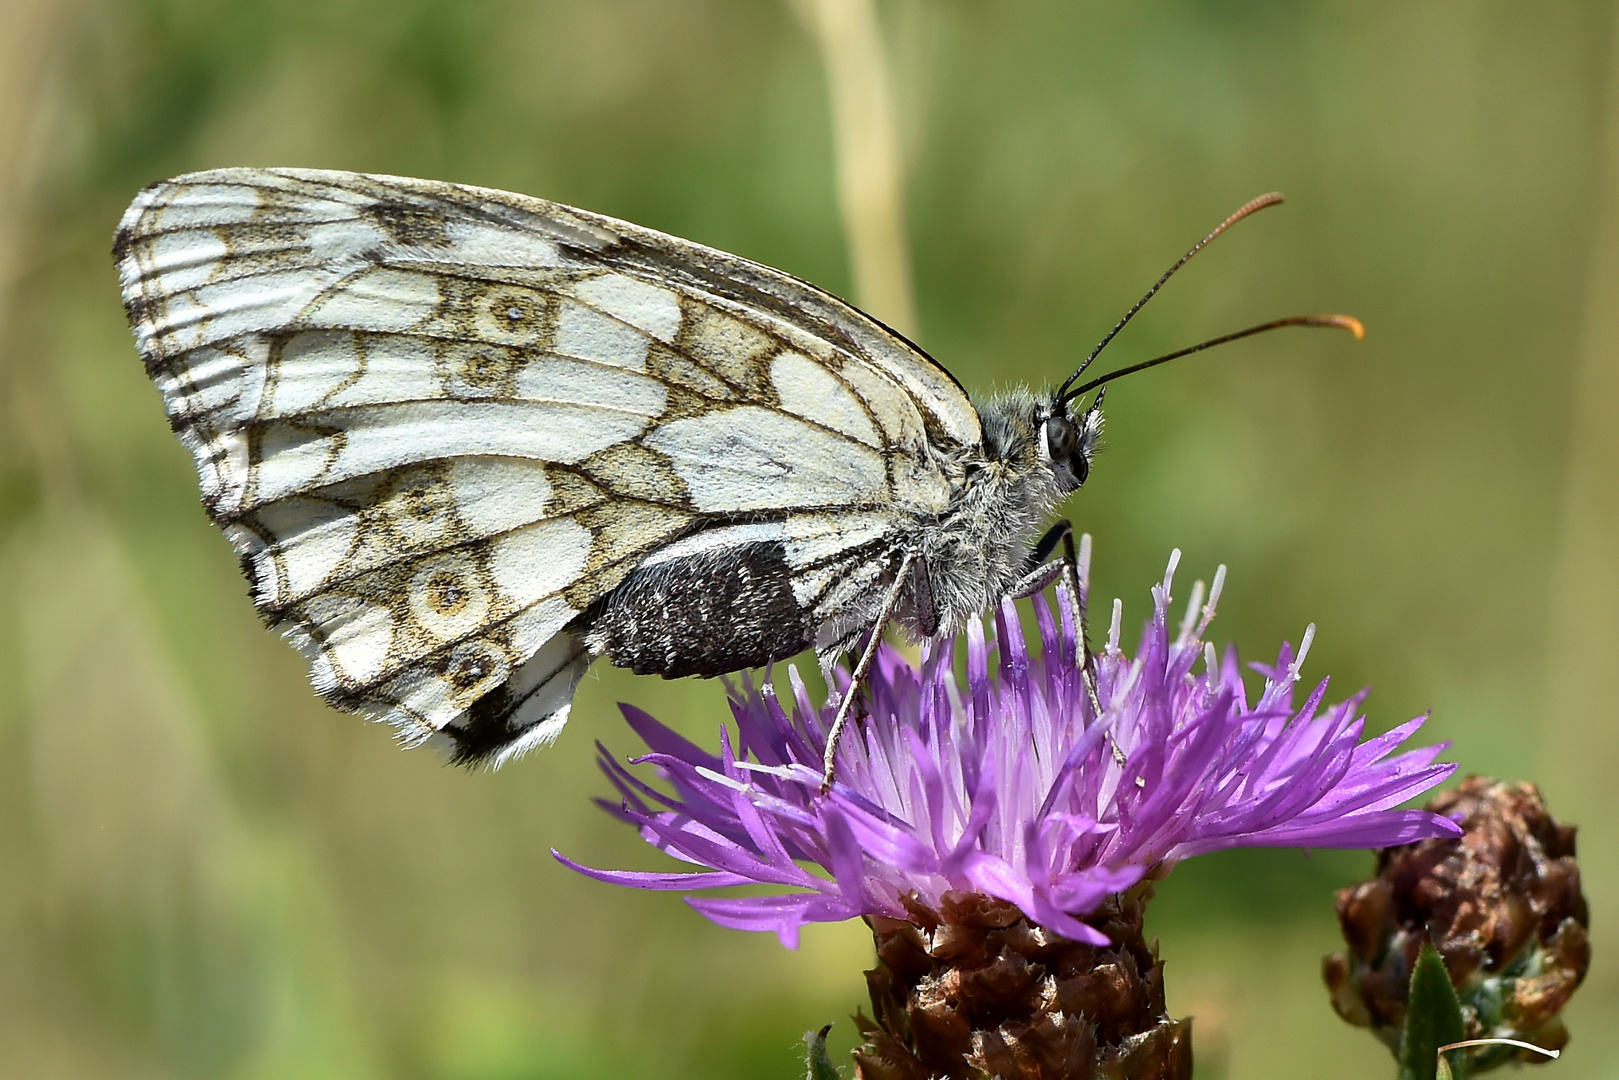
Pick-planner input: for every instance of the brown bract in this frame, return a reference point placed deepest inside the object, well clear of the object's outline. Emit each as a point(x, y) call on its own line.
point(1502, 905)
point(974, 990)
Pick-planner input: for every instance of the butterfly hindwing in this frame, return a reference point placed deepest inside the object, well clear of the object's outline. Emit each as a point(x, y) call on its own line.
point(442, 425)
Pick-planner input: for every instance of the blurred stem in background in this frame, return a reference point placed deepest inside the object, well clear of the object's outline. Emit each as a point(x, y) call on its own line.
point(870, 167)
point(28, 28)
point(1581, 722)
point(869, 160)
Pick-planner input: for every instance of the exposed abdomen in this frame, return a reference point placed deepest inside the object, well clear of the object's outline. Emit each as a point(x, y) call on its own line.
point(704, 614)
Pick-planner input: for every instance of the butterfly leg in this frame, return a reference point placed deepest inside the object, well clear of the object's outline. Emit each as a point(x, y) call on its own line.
point(1046, 570)
point(867, 656)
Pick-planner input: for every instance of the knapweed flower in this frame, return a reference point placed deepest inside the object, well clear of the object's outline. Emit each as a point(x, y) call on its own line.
point(1503, 907)
point(1010, 786)
point(1001, 839)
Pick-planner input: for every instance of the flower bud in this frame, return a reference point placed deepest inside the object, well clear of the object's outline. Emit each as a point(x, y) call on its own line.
point(1501, 904)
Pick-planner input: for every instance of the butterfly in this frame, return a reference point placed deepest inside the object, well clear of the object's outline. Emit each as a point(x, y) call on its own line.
point(466, 442)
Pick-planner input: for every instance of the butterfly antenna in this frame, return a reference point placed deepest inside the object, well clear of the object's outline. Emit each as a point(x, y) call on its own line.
point(1341, 322)
point(1251, 207)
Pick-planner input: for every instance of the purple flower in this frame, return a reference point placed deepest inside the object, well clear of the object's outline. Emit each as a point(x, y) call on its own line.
point(1012, 786)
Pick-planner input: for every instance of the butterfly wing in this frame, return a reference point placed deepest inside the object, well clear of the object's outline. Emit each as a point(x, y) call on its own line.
point(439, 423)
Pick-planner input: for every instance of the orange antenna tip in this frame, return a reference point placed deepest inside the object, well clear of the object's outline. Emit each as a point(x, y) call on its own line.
point(1342, 322)
point(1345, 322)
point(1268, 199)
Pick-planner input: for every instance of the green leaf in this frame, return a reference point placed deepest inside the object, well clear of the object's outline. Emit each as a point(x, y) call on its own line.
point(820, 1065)
point(1433, 1017)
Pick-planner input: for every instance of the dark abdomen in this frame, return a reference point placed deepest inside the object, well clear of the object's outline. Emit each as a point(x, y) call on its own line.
point(703, 614)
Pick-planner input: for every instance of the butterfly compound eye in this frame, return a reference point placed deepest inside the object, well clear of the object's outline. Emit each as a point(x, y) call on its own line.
point(1061, 438)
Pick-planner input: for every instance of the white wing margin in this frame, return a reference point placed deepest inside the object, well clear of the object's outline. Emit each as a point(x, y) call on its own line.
point(439, 422)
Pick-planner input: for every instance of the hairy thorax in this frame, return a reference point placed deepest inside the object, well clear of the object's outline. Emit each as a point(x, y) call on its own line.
point(979, 548)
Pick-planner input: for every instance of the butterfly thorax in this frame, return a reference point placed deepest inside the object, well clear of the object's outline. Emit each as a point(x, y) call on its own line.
point(979, 548)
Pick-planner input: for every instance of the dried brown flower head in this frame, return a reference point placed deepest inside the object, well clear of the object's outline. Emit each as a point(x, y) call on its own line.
point(1503, 907)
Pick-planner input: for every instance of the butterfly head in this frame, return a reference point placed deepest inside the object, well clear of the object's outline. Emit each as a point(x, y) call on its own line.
point(1043, 440)
point(1068, 443)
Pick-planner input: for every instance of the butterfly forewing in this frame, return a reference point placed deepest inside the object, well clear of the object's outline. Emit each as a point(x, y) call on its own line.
point(440, 424)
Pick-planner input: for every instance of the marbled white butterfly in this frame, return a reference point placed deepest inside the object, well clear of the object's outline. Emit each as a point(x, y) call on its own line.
point(466, 442)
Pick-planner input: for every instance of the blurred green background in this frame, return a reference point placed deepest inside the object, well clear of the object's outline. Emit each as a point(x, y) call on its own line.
point(206, 873)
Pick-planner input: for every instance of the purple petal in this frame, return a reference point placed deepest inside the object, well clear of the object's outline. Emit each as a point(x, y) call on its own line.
point(640, 880)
